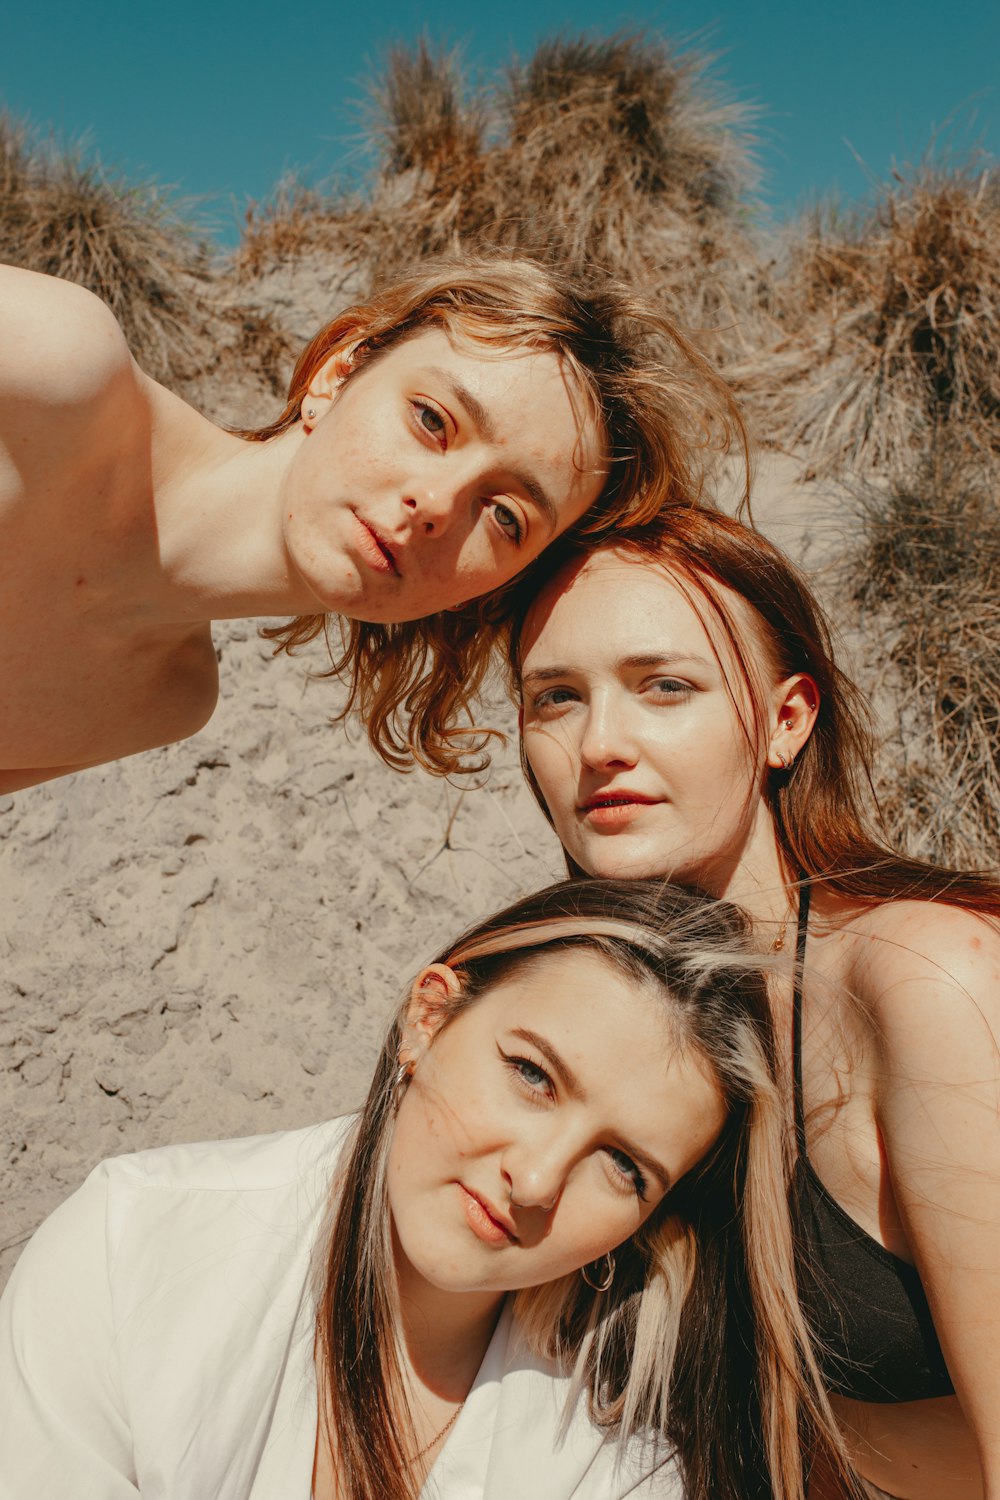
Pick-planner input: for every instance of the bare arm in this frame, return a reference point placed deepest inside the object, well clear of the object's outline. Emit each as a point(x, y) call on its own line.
point(933, 985)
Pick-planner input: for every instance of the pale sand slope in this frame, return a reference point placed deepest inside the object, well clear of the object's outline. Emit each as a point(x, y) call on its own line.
point(207, 940)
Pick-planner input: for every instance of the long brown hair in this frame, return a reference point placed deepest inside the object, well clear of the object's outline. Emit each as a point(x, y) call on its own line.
point(663, 408)
point(699, 1339)
point(824, 809)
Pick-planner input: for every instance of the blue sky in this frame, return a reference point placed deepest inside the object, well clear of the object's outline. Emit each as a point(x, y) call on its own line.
point(219, 99)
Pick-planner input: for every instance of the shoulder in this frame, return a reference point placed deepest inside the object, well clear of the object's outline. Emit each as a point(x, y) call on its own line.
point(928, 976)
point(187, 1198)
point(61, 344)
point(248, 1164)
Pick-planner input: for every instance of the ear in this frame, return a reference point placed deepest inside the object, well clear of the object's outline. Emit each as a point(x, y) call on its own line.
point(429, 1006)
point(325, 384)
point(327, 380)
point(795, 705)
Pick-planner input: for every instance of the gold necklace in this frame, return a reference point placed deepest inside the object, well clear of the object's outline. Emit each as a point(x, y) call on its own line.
point(779, 942)
point(437, 1437)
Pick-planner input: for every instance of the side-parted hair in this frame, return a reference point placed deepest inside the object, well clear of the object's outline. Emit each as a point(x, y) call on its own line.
point(825, 811)
point(662, 406)
point(699, 1343)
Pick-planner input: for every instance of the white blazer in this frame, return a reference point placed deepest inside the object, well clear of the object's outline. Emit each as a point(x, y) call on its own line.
point(156, 1339)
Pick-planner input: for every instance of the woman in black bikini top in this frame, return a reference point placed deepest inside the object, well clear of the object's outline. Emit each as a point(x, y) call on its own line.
point(683, 716)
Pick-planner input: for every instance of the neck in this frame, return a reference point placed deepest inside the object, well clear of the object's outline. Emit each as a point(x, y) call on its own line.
point(445, 1335)
point(217, 503)
point(756, 877)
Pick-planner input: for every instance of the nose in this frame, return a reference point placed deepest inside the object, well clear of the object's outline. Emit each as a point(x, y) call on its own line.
point(535, 1172)
point(432, 507)
point(607, 742)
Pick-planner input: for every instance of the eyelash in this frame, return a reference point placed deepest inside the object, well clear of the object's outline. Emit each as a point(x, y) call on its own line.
point(515, 535)
point(632, 1176)
point(670, 687)
point(420, 410)
point(519, 1066)
point(547, 699)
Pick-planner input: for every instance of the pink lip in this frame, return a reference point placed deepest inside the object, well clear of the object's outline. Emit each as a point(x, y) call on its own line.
point(375, 549)
point(486, 1222)
point(612, 809)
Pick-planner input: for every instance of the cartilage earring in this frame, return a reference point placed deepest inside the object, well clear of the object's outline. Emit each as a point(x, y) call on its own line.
point(592, 1273)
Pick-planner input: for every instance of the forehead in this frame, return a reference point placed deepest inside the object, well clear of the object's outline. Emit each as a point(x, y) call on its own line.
point(506, 372)
point(615, 604)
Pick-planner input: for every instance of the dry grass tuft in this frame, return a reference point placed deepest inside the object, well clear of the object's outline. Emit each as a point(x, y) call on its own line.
point(66, 217)
point(646, 119)
point(293, 221)
point(929, 571)
point(429, 134)
point(423, 113)
point(616, 152)
point(893, 322)
point(622, 152)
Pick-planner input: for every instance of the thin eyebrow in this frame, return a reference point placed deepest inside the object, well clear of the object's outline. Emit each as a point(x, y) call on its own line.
point(575, 1089)
point(642, 659)
point(486, 427)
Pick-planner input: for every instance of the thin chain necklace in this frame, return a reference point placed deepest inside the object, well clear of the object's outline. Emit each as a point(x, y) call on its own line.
point(779, 941)
point(436, 1438)
point(777, 946)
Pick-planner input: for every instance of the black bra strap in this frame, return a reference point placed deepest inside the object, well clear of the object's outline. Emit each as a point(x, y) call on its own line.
point(800, 960)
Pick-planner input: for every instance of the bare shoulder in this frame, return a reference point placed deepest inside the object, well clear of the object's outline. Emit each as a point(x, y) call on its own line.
point(61, 345)
point(919, 964)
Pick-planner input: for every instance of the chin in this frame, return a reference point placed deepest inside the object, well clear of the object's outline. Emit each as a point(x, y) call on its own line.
point(621, 864)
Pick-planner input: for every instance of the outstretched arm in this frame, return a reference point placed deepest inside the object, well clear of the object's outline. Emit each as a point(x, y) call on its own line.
point(933, 985)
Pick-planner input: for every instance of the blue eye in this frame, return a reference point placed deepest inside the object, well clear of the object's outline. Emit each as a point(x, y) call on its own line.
point(529, 1077)
point(531, 1073)
point(626, 1167)
point(553, 698)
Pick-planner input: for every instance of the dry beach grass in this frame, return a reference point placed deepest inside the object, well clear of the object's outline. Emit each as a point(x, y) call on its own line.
point(205, 940)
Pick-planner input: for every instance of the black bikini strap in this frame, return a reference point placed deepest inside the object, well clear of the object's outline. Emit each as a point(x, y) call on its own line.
point(800, 960)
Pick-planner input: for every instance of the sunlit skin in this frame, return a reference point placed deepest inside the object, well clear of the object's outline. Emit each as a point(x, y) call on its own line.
point(631, 732)
point(425, 478)
point(540, 1128)
point(463, 464)
point(649, 767)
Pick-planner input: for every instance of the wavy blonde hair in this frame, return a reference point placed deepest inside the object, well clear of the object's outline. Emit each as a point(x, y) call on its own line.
point(699, 1343)
point(663, 408)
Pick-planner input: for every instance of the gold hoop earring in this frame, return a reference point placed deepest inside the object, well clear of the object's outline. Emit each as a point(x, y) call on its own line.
point(593, 1277)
